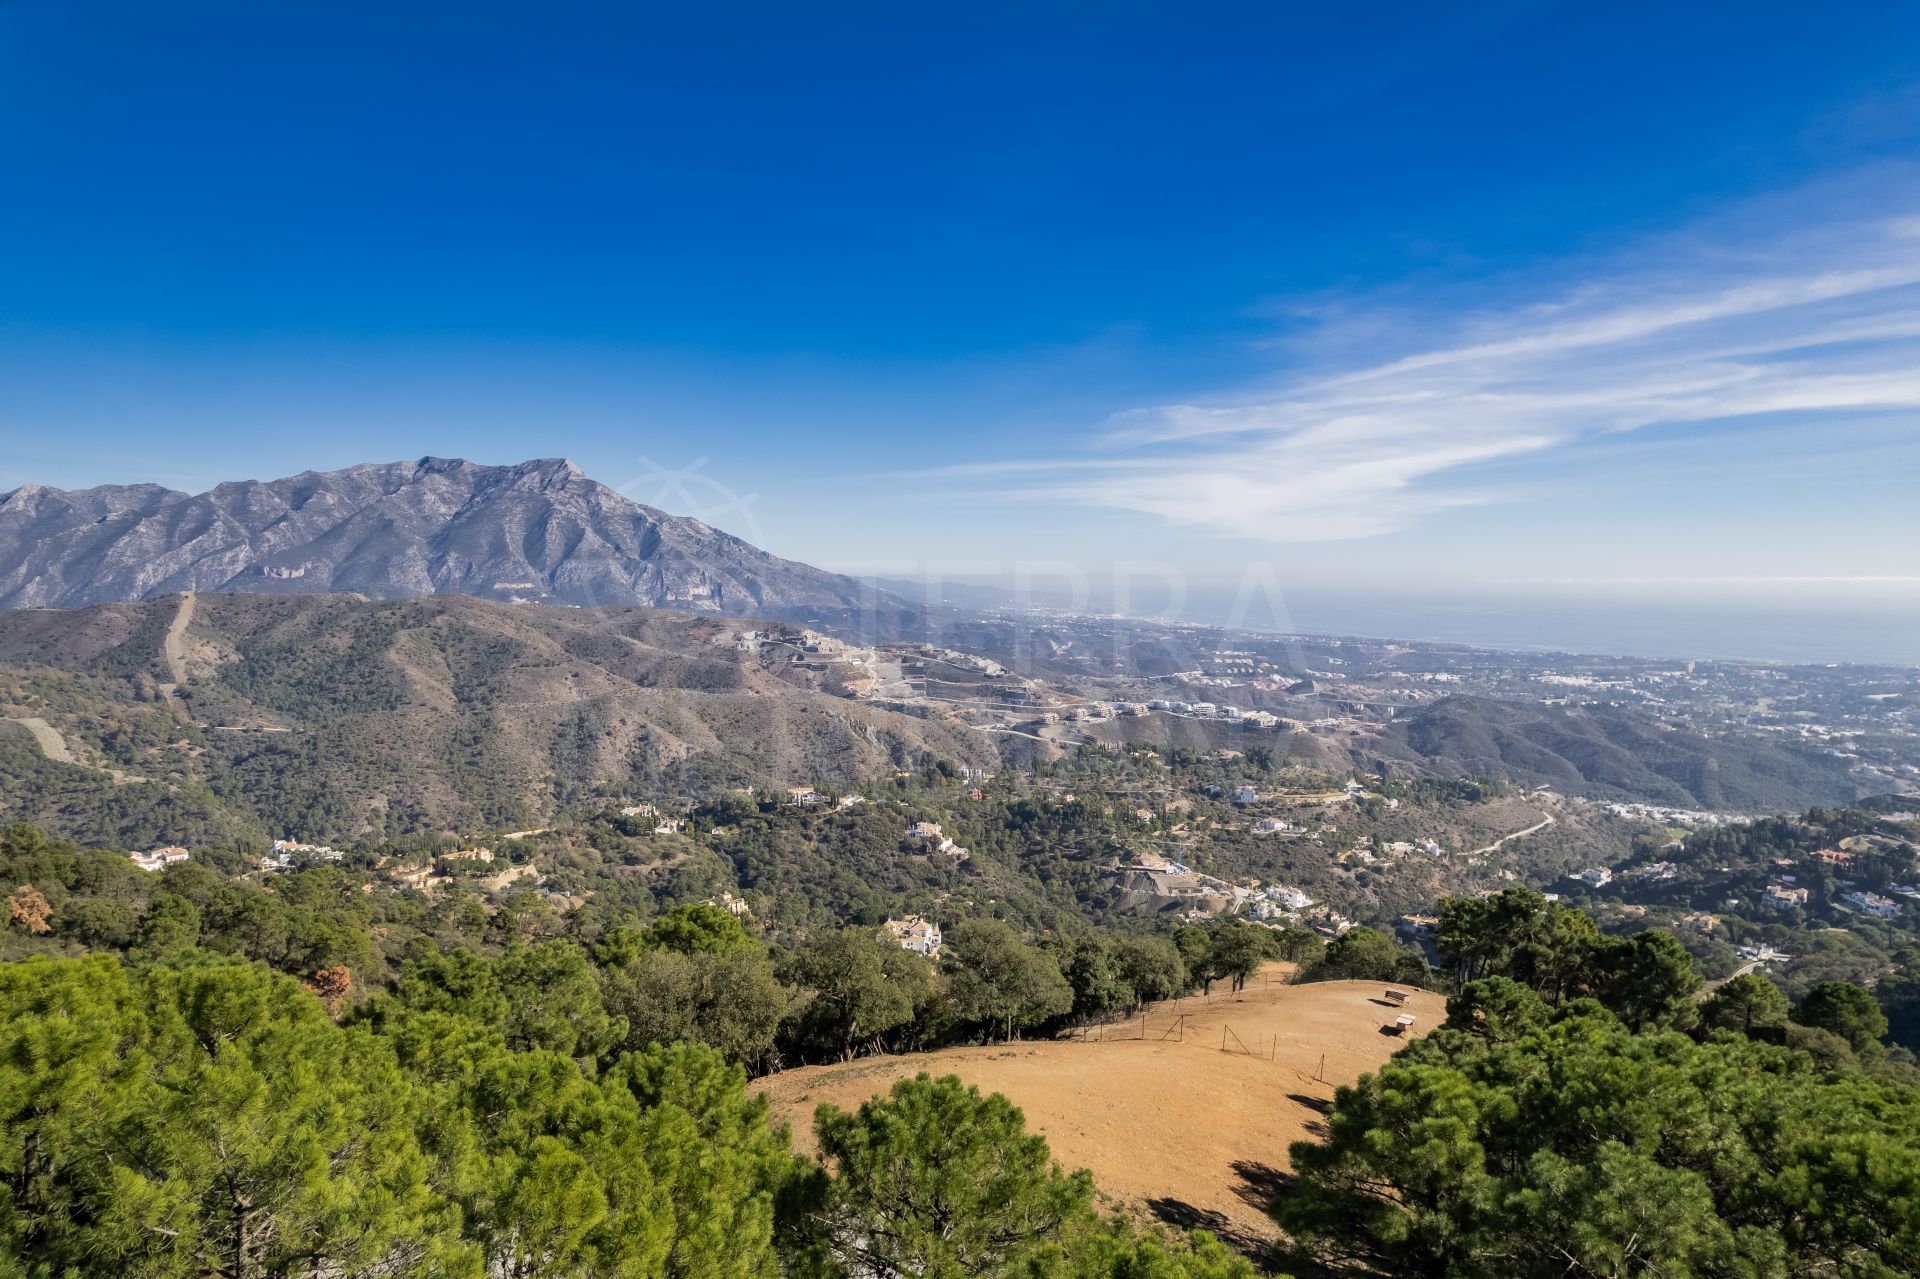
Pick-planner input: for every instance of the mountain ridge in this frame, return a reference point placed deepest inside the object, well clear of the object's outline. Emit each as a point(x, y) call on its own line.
point(539, 531)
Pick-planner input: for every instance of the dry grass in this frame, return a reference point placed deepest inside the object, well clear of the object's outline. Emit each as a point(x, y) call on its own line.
point(1170, 1125)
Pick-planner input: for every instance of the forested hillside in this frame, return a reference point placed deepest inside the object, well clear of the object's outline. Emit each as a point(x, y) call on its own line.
point(337, 718)
point(1617, 754)
point(432, 1090)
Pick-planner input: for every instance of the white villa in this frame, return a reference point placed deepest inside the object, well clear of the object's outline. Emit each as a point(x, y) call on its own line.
point(921, 936)
point(160, 858)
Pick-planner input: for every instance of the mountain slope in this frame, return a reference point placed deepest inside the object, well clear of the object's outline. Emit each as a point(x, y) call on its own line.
point(1614, 754)
point(538, 531)
point(336, 717)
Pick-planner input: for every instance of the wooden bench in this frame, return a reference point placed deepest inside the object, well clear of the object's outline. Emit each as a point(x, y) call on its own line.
point(1397, 996)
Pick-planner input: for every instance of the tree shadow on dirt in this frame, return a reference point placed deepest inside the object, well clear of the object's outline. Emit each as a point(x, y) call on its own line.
point(1185, 1216)
point(1260, 1184)
point(1315, 1127)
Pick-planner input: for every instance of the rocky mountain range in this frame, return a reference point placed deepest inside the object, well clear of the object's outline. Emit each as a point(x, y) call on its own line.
point(539, 531)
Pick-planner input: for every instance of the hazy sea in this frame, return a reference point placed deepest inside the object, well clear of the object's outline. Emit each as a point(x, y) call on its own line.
point(1709, 630)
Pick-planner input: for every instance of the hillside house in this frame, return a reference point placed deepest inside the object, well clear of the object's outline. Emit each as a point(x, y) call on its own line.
point(803, 797)
point(1870, 904)
point(1329, 923)
point(160, 858)
point(1417, 928)
point(1781, 897)
point(1595, 876)
point(921, 936)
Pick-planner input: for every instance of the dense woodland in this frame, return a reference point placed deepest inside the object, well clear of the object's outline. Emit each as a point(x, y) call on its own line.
point(581, 1107)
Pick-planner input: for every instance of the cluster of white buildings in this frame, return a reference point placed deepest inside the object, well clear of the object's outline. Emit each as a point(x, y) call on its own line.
point(1202, 710)
point(1662, 815)
point(288, 851)
point(1274, 902)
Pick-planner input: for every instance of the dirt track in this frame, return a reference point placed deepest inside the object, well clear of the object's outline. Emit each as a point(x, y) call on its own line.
point(1546, 819)
point(171, 647)
point(1172, 1127)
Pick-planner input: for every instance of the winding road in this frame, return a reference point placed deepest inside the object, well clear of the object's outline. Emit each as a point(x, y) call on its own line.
point(1547, 819)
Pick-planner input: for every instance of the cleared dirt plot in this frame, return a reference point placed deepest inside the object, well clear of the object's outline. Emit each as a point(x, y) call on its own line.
point(1170, 1125)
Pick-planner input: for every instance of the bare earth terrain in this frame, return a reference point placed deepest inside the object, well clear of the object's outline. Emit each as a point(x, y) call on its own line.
point(50, 740)
point(1170, 1125)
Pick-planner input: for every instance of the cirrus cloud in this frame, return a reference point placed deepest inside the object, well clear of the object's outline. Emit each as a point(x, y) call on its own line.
point(1820, 320)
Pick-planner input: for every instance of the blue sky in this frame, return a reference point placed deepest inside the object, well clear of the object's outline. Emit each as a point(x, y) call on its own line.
point(1519, 297)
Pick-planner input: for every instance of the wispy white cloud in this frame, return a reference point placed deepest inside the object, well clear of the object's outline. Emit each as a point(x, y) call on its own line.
point(1819, 319)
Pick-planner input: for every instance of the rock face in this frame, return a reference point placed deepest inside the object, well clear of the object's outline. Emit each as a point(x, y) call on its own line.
point(539, 531)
